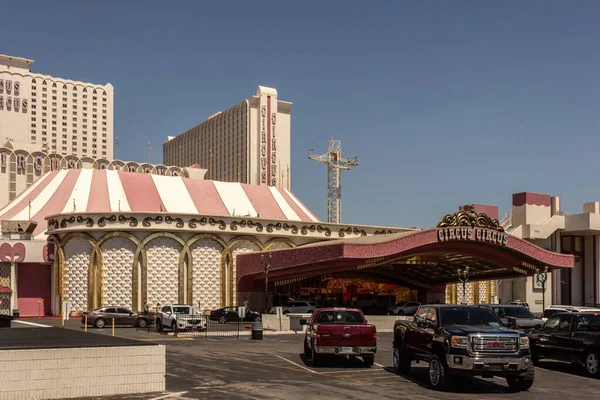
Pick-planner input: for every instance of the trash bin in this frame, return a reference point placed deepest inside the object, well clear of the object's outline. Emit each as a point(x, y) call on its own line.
point(16, 313)
point(5, 321)
point(257, 330)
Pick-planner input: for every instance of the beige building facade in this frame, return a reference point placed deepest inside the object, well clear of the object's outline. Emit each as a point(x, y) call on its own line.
point(247, 143)
point(54, 115)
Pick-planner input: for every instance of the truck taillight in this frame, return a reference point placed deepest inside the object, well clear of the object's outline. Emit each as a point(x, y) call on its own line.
point(317, 335)
point(375, 335)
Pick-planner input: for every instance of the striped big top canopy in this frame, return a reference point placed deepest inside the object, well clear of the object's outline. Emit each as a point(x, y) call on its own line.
point(97, 191)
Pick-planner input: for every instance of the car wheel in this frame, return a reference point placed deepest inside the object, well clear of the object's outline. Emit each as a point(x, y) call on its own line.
point(400, 312)
point(307, 353)
point(522, 382)
point(315, 358)
point(401, 360)
point(286, 312)
point(535, 359)
point(159, 327)
point(368, 361)
point(592, 363)
point(438, 374)
point(222, 320)
point(142, 323)
point(100, 323)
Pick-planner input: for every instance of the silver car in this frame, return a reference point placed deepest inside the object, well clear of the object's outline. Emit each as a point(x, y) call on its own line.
point(524, 319)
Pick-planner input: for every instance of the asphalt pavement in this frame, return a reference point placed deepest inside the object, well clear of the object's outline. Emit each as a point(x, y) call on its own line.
point(274, 368)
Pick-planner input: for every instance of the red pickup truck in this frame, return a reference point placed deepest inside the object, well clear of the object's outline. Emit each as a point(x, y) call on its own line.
point(339, 332)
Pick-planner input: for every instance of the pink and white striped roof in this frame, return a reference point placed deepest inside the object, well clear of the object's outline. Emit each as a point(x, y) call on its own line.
point(91, 190)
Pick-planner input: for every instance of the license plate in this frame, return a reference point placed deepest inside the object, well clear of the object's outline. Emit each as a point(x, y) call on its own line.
point(345, 350)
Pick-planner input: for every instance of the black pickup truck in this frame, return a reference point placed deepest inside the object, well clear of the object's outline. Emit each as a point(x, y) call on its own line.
point(460, 342)
point(571, 337)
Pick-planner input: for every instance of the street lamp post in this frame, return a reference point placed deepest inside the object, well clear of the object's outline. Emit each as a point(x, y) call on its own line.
point(266, 263)
point(463, 276)
point(542, 277)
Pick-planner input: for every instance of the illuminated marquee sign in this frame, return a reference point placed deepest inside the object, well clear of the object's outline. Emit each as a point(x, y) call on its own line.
point(465, 234)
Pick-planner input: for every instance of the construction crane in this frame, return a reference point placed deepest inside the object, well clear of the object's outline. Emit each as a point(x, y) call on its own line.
point(335, 164)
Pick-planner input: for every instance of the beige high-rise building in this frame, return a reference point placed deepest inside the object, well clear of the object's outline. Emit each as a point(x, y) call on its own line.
point(54, 115)
point(248, 143)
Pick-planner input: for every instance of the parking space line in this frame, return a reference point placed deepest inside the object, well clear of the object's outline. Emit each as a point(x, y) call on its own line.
point(32, 324)
point(164, 339)
point(379, 365)
point(296, 364)
point(351, 371)
point(267, 365)
point(372, 378)
point(169, 395)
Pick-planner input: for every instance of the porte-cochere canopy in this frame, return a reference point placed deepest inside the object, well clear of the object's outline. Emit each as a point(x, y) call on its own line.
point(419, 259)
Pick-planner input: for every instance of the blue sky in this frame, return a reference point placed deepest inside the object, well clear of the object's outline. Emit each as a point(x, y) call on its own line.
point(445, 103)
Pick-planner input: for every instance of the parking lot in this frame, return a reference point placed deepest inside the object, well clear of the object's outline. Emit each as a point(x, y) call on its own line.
point(274, 368)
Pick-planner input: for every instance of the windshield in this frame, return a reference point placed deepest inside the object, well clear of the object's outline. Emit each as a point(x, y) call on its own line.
point(182, 310)
point(516, 312)
point(340, 317)
point(469, 316)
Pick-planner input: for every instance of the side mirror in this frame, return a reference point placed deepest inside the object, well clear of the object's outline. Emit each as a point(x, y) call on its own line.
point(303, 322)
point(168, 312)
point(512, 322)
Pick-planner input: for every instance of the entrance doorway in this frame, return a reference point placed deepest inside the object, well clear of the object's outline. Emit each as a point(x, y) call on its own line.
point(34, 288)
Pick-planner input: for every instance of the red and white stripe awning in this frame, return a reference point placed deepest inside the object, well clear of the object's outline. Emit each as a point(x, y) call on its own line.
point(92, 190)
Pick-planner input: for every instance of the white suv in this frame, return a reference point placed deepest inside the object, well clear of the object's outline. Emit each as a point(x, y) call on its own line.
point(297, 307)
point(179, 317)
point(551, 310)
point(404, 308)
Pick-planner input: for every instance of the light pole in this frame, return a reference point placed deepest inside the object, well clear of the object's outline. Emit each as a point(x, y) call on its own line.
point(542, 278)
point(265, 262)
point(463, 276)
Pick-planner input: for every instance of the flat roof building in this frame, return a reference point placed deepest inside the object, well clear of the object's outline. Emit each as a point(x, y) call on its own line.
point(247, 143)
point(54, 115)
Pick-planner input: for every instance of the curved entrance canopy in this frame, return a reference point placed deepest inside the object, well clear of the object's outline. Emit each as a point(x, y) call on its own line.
point(420, 259)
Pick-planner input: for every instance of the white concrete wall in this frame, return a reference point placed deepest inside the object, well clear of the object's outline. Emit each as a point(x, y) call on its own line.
point(76, 372)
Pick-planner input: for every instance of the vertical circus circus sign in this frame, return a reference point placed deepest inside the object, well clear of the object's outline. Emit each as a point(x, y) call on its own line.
point(268, 141)
point(263, 144)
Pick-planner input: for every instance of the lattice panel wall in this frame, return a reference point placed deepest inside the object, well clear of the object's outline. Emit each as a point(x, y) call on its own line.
point(483, 292)
point(449, 289)
point(241, 248)
point(5, 274)
point(163, 260)
point(469, 293)
point(118, 256)
point(77, 255)
point(206, 275)
point(5, 282)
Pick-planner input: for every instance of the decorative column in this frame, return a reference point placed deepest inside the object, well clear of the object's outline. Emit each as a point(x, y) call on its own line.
point(14, 302)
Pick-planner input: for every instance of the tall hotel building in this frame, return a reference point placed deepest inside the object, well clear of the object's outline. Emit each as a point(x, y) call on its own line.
point(54, 115)
point(248, 143)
